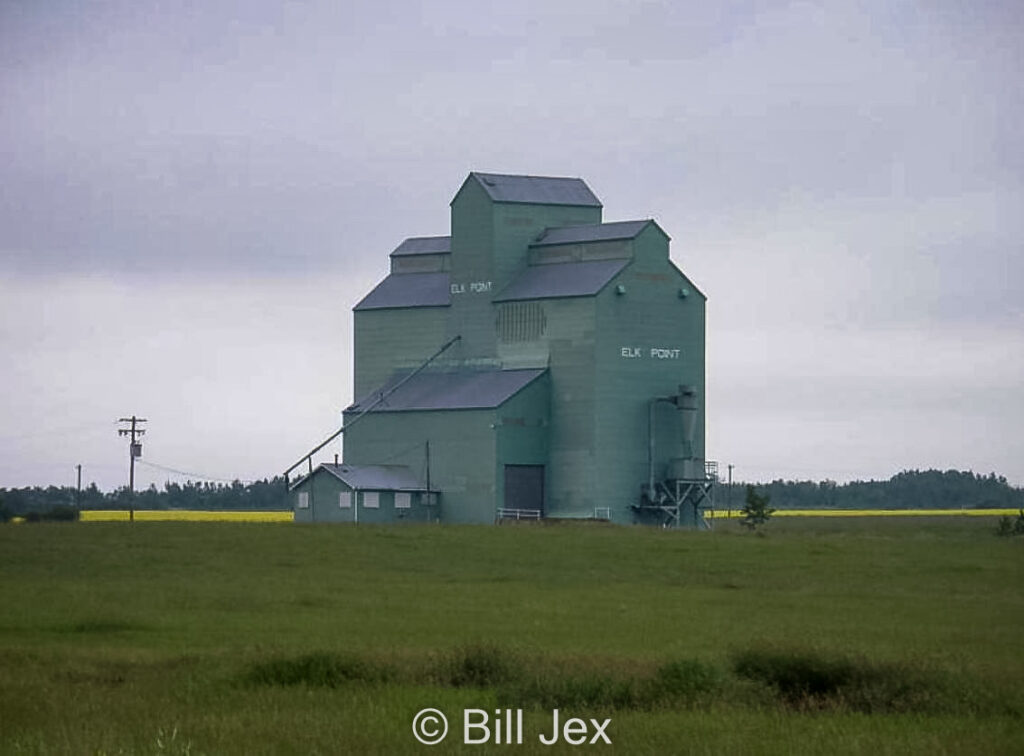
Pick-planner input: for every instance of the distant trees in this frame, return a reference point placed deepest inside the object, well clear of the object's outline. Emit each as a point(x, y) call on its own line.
point(910, 489)
point(60, 503)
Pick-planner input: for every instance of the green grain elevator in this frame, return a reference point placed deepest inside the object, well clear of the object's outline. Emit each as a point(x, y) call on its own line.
point(536, 363)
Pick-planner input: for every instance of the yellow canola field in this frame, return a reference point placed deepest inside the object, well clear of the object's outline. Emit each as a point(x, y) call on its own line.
point(165, 515)
point(720, 515)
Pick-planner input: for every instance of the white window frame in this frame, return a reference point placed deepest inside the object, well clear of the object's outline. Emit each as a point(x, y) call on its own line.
point(345, 500)
point(403, 500)
point(371, 499)
point(303, 502)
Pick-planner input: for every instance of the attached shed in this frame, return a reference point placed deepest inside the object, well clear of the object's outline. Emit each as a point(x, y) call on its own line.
point(362, 493)
point(479, 436)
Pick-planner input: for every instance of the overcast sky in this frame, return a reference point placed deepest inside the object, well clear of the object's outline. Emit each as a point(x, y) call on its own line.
point(194, 194)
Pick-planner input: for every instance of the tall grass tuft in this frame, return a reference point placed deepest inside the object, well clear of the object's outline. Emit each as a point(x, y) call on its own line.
point(477, 666)
point(686, 682)
point(316, 670)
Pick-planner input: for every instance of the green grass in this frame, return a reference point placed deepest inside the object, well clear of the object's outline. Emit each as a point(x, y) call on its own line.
point(822, 636)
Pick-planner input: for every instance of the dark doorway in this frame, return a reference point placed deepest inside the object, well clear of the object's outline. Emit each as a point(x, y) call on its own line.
point(524, 487)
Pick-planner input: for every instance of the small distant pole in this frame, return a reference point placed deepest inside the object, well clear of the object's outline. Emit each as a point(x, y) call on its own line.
point(134, 450)
point(728, 495)
point(78, 489)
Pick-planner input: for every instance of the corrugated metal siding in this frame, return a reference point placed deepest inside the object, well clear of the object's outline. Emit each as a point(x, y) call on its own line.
point(462, 455)
point(649, 316)
point(394, 339)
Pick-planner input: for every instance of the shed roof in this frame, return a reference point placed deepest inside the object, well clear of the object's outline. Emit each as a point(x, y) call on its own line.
point(590, 233)
point(371, 477)
point(572, 279)
point(450, 390)
point(537, 190)
point(423, 245)
point(408, 290)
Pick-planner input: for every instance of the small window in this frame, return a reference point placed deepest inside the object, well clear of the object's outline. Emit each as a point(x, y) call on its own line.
point(371, 500)
point(403, 500)
point(303, 499)
point(345, 500)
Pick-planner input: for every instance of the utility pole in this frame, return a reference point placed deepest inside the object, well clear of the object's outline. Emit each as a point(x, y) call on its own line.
point(729, 491)
point(134, 450)
point(78, 490)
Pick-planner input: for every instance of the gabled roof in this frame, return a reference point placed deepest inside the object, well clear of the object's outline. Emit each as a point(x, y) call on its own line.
point(408, 290)
point(423, 245)
point(536, 190)
point(450, 390)
point(591, 233)
point(573, 279)
point(370, 477)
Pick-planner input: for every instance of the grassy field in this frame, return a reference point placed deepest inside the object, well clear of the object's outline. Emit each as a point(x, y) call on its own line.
point(825, 635)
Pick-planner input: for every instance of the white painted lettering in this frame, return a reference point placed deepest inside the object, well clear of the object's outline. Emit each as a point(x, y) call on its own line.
point(553, 738)
point(475, 287)
point(575, 727)
point(481, 725)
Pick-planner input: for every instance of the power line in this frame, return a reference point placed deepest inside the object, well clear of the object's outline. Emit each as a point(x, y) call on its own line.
point(186, 473)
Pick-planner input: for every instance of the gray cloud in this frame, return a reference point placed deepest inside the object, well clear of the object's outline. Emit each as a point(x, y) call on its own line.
point(843, 181)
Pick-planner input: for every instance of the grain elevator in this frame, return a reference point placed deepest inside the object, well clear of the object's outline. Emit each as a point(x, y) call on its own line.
point(535, 363)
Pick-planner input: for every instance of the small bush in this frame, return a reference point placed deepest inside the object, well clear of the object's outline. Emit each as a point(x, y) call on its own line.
point(59, 513)
point(1005, 526)
point(813, 681)
point(1011, 526)
point(62, 513)
point(756, 511)
point(316, 670)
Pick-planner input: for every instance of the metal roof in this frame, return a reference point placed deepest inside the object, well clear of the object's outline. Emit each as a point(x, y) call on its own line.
point(573, 279)
point(537, 190)
point(370, 477)
point(592, 233)
point(376, 477)
point(450, 390)
point(408, 290)
point(423, 245)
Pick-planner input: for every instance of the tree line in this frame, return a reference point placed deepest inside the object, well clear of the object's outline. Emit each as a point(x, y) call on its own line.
point(910, 489)
point(63, 501)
